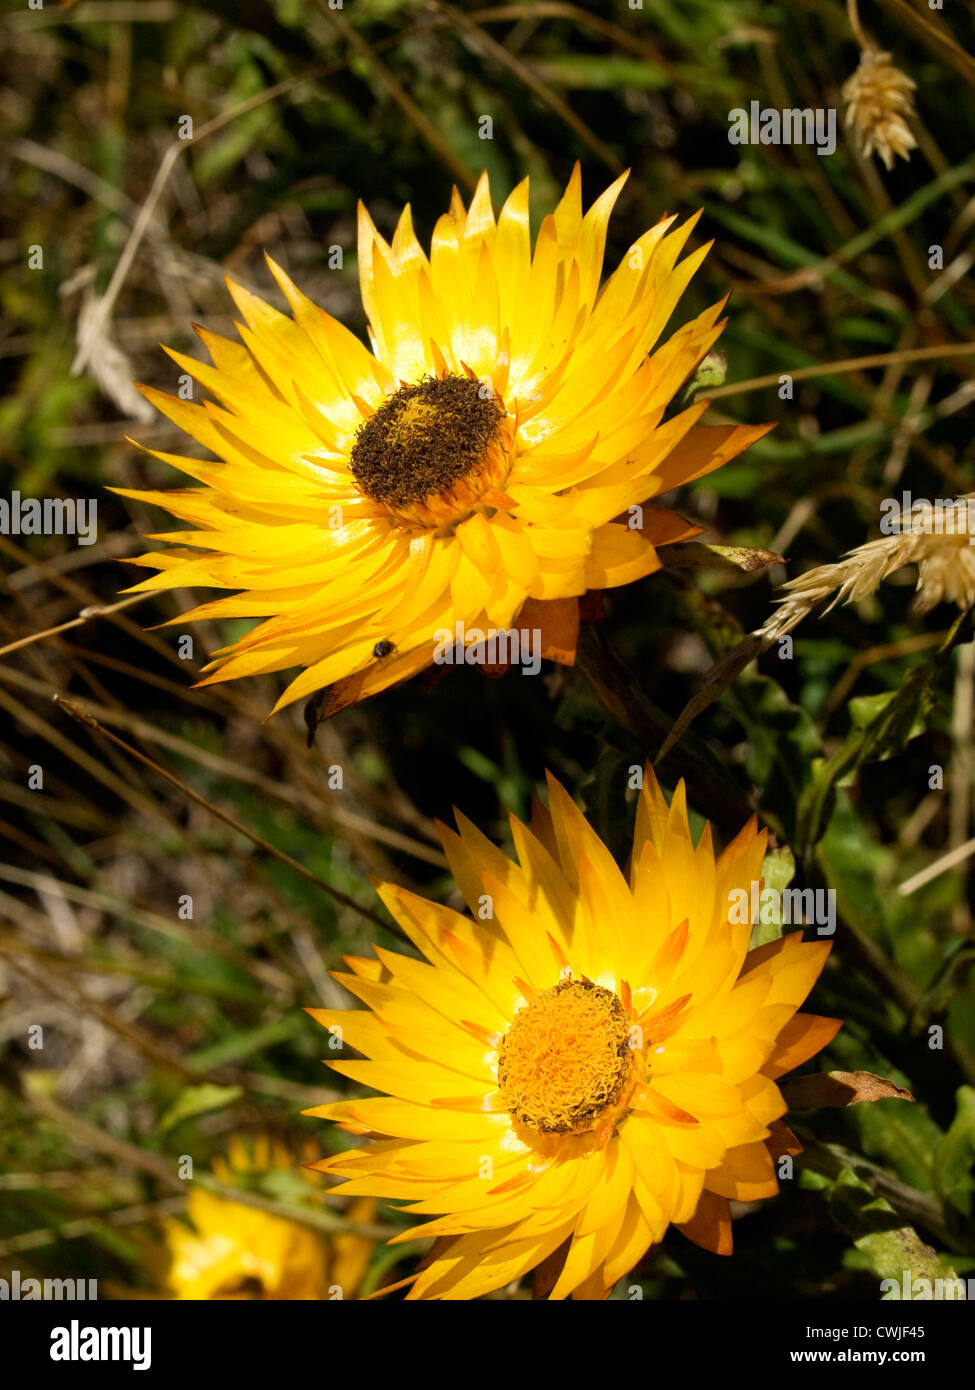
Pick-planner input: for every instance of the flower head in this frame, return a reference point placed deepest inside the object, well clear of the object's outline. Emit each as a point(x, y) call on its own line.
point(937, 537)
point(590, 1060)
point(235, 1251)
point(944, 555)
point(878, 98)
point(486, 462)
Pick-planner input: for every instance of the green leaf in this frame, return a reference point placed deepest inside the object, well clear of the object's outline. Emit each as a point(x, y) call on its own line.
point(953, 971)
point(197, 1100)
point(902, 1137)
point(862, 871)
point(864, 709)
point(888, 1247)
point(883, 725)
point(954, 1155)
point(778, 868)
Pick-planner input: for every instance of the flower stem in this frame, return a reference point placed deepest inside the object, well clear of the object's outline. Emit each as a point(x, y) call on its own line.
point(618, 691)
point(853, 13)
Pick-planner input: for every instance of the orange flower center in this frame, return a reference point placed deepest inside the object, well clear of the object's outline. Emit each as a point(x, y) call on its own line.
point(566, 1059)
point(432, 450)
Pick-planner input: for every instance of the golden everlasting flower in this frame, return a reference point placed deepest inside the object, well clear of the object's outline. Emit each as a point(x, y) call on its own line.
point(592, 1059)
point(236, 1251)
point(471, 469)
point(879, 98)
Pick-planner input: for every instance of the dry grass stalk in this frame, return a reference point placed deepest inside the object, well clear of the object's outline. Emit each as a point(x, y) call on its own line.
point(945, 561)
point(946, 570)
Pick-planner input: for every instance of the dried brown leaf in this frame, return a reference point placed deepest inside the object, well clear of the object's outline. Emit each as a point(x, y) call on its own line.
point(700, 555)
point(839, 1088)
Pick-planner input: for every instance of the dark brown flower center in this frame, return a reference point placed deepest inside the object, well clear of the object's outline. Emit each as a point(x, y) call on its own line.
point(424, 439)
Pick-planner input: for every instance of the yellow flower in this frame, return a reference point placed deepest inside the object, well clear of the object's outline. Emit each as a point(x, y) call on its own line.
point(472, 469)
point(587, 1062)
point(234, 1251)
